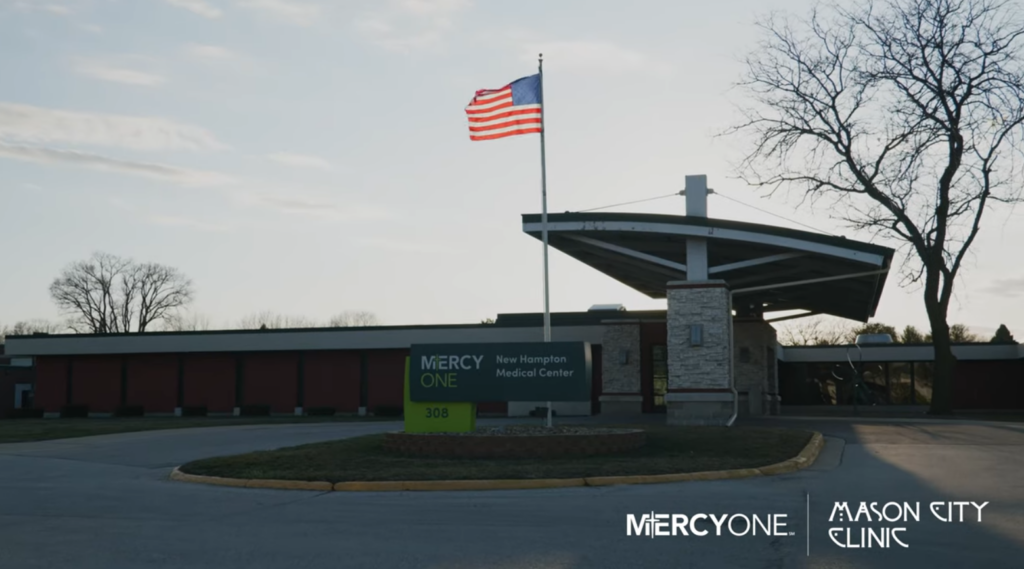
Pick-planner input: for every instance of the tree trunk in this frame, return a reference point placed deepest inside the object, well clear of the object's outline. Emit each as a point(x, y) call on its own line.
point(945, 364)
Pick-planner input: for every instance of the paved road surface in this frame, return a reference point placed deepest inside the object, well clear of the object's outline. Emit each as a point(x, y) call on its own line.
point(106, 503)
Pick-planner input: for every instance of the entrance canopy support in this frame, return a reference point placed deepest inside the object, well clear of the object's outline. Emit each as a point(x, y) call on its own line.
point(696, 193)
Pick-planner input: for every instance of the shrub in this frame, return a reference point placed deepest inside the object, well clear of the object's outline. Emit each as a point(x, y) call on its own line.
point(388, 411)
point(78, 411)
point(194, 411)
point(25, 414)
point(254, 410)
point(129, 411)
point(320, 411)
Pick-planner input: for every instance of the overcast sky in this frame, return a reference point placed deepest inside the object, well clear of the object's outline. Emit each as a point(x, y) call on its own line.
point(312, 157)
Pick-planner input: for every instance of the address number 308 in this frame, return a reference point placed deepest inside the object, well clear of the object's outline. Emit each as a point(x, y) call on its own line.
point(437, 412)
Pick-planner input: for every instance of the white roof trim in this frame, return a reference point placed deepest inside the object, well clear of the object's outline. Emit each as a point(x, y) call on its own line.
point(276, 341)
point(711, 232)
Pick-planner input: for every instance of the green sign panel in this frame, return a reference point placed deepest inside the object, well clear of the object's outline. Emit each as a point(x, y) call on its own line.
point(437, 417)
point(534, 371)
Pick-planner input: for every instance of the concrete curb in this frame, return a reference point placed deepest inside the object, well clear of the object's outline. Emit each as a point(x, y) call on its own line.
point(806, 458)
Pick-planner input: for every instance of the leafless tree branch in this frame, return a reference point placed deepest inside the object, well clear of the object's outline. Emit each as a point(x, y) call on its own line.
point(908, 114)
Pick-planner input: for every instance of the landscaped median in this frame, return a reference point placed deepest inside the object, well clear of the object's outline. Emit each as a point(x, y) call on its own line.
point(671, 454)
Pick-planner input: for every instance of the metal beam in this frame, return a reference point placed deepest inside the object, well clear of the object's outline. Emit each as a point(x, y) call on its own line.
point(794, 316)
point(762, 277)
point(609, 261)
point(754, 262)
point(809, 281)
point(628, 252)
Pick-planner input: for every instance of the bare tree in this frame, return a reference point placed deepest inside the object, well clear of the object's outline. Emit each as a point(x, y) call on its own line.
point(271, 320)
point(354, 318)
point(874, 328)
point(186, 322)
point(110, 294)
point(911, 335)
point(960, 333)
point(814, 332)
point(29, 327)
point(907, 115)
point(160, 290)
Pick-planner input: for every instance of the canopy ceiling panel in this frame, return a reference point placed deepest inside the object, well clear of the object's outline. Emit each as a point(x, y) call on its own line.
point(763, 265)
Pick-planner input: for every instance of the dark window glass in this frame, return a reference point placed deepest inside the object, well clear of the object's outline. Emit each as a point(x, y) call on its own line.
point(829, 382)
point(659, 365)
point(899, 383)
point(875, 390)
point(923, 375)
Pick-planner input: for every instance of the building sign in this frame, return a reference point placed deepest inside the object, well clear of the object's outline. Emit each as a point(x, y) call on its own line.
point(437, 416)
point(540, 371)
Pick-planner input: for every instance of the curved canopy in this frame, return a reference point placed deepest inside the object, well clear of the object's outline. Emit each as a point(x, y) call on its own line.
point(768, 268)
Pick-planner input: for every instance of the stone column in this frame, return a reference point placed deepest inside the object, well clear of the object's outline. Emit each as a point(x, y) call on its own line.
point(700, 353)
point(754, 342)
point(774, 399)
point(620, 368)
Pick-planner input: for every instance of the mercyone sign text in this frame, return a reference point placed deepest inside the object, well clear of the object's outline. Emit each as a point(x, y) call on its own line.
point(536, 371)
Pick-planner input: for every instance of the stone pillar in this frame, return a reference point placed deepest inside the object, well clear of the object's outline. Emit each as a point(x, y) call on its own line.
point(754, 341)
point(620, 368)
point(700, 370)
point(774, 399)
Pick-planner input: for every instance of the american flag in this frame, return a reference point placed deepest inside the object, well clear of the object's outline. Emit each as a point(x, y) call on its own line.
point(513, 109)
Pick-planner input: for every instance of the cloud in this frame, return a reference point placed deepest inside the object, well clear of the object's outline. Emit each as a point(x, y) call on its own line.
point(593, 56)
point(38, 125)
point(299, 13)
point(210, 52)
point(177, 221)
point(163, 172)
point(1013, 286)
point(300, 160)
point(91, 28)
point(291, 202)
point(410, 25)
point(406, 246)
point(106, 72)
point(166, 220)
point(204, 9)
point(25, 5)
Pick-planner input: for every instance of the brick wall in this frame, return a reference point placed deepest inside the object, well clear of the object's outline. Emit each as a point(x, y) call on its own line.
point(153, 382)
point(615, 377)
point(707, 366)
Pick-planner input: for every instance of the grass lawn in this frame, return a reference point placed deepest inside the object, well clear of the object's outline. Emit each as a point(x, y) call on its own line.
point(668, 450)
point(23, 430)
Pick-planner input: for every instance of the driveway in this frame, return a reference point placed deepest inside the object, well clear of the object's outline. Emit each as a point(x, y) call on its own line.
point(105, 502)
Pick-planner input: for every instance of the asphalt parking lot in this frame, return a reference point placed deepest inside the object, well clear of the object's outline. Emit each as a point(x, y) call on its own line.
point(106, 502)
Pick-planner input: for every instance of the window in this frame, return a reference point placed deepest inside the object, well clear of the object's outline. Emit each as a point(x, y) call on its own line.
point(923, 376)
point(876, 388)
point(900, 374)
point(659, 368)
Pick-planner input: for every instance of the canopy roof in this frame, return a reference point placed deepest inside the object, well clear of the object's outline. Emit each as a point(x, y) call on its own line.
point(768, 268)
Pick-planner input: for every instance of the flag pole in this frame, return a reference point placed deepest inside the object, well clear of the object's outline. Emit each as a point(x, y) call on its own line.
point(544, 213)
